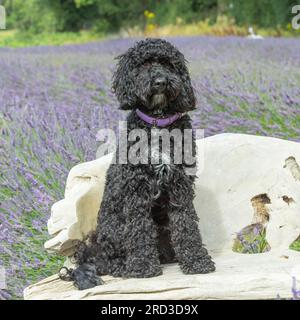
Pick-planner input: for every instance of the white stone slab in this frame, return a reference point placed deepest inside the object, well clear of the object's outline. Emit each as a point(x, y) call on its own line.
point(238, 276)
point(236, 169)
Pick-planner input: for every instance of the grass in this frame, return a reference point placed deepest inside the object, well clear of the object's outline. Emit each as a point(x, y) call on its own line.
point(203, 28)
point(14, 38)
point(223, 27)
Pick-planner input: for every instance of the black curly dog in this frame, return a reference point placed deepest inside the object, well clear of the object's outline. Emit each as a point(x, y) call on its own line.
point(147, 216)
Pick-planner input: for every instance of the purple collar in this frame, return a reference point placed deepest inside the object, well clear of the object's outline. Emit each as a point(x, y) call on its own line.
point(158, 122)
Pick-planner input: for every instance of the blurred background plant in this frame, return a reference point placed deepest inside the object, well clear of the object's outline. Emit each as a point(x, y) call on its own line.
point(64, 21)
point(251, 239)
point(149, 25)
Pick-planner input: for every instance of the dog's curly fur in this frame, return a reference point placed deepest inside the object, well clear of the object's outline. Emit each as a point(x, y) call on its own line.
point(147, 216)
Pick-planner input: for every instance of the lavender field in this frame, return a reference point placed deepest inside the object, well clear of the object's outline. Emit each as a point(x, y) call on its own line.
point(53, 100)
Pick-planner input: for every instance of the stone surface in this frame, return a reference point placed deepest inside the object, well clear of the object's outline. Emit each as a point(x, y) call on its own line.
point(236, 173)
point(238, 276)
point(76, 215)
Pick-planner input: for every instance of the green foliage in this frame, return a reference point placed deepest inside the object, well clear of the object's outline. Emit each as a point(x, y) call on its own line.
point(263, 13)
point(168, 11)
point(32, 16)
point(39, 16)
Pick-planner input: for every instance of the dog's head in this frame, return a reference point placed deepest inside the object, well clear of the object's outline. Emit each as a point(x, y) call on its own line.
point(153, 77)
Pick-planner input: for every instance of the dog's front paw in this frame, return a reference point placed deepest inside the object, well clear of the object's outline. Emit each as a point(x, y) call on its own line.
point(204, 265)
point(139, 268)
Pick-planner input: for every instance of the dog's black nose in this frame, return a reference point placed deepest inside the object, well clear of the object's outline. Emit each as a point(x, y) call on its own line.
point(160, 83)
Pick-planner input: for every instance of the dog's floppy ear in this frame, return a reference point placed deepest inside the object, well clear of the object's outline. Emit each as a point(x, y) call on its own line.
point(189, 91)
point(186, 99)
point(123, 83)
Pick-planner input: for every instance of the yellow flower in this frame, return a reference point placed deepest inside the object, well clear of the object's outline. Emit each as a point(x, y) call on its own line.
point(150, 27)
point(151, 15)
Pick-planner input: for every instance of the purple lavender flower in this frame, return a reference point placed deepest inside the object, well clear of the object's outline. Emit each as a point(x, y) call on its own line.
point(295, 292)
point(53, 101)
